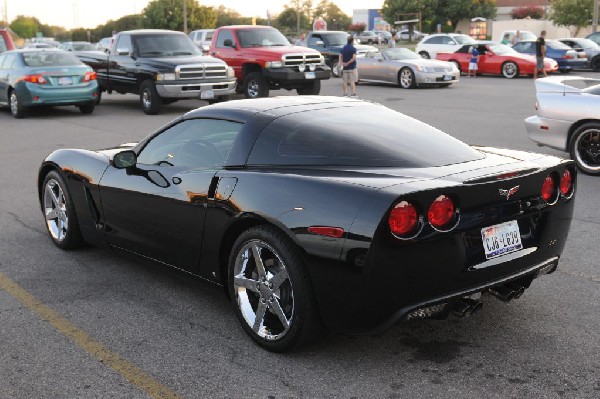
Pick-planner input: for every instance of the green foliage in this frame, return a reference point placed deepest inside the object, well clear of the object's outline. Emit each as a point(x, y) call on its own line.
point(577, 13)
point(128, 22)
point(286, 21)
point(79, 34)
point(168, 14)
point(25, 27)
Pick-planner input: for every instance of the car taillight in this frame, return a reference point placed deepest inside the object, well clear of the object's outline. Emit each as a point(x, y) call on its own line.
point(441, 212)
point(566, 182)
point(37, 79)
point(548, 189)
point(403, 218)
point(567, 56)
point(89, 76)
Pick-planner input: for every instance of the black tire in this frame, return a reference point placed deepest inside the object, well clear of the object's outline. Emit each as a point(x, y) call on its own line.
point(62, 225)
point(16, 107)
point(149, 98)
point(425, 54)
point(564, 71)
point(595, 63)
point(98, 97)
point(510, 70)
point(220, 99)
point(290, 301)
point(584, 147)
point(312, 89)
point(406, 78)
point(369, 41)
point(335, 72)
point(255, 85)
point(87, 108)
point(239, 88)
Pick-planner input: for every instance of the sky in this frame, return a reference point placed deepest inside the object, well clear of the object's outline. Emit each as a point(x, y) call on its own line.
point(91, 13)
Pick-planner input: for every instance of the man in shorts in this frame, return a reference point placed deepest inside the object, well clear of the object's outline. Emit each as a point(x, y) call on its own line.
point(540, 53)
point(347, 60)
point(473, 61)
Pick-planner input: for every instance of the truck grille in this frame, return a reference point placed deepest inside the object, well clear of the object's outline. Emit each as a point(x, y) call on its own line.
point(293, 60)
point(201, 71)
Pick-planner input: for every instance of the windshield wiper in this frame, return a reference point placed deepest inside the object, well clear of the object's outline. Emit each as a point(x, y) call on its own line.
point(152, 53)
point(182, 53)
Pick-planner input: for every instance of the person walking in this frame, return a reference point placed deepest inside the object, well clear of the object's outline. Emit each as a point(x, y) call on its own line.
point(392, 42)
point(347, 60)
point(301, 41)
point(540, 53)
point(473, 62)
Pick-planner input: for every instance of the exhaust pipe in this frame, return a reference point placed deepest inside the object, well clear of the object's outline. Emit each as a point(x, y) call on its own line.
point(507, 293)
point(465, 307)
point(519, 290)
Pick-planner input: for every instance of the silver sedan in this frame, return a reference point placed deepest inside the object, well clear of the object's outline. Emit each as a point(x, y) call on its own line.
point(405, 68)
point(568, 118)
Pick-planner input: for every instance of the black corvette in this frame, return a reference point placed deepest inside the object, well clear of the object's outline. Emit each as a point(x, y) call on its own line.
point(319, 213)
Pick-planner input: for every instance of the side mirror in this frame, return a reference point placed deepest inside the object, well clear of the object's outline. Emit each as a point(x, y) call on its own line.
point(122, 51)
point(124, 159)
point(228, 43)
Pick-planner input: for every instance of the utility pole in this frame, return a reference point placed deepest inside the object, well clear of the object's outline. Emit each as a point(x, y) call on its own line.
point(6, 13)
point(595, 18)
point(185, 16)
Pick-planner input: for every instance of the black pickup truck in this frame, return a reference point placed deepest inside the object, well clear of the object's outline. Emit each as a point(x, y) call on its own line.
point(162, 67)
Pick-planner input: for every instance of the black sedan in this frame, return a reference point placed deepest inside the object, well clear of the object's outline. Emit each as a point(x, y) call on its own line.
point(319, 213)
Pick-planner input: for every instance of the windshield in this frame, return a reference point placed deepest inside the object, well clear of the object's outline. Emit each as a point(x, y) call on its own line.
point(501, 49)
point(83, 47)
point(262, 38)
point(400, 54)
point(165, 45)
point(555, 44)
point(50, 58)
point(587, 43)
point(463, 39)
point(335, 39)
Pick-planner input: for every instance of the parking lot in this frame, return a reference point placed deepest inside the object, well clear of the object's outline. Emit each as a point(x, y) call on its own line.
point(92, 324)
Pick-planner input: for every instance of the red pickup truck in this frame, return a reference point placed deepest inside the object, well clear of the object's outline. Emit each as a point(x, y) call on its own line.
point(263, 59)
point(6, 42)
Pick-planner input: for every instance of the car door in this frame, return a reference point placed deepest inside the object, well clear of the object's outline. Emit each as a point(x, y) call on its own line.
point(227, 49)
point(121, 65)
point(367, 66)
point(158, 207)
point(3, 81)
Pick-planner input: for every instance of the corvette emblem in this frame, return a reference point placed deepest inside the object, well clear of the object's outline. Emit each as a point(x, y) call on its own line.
point(508, 193)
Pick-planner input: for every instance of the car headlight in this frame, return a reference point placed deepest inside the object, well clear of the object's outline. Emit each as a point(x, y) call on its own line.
point(165, 76)
point(322, 60)
point(425, 69)
point(274, 64)
point(230, 72)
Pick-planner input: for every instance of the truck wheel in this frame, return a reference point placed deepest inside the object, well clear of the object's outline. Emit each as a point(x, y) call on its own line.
point(311, 89)
point(87, 108)
point(99, 96)
point(255, 86)
point(220, 99)
point(16, 108)
point(149, 98)
point(595, 63)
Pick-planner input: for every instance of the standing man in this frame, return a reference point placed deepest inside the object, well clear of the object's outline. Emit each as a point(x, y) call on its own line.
point(347, 60)
point(301, 41)
point(392, 43)
point(473, 62)
point(540, 53)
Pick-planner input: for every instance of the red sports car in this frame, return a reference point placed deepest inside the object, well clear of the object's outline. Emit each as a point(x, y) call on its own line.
point(497, 59)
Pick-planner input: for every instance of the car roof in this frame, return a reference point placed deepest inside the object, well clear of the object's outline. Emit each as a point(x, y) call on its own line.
point(151, 31)
point(36, 49)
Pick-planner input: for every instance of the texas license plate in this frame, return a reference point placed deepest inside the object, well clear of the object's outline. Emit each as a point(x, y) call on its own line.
point(207, 95)
point(310, 75)
point(501, 239)
point(65, 80)
point(447, 77)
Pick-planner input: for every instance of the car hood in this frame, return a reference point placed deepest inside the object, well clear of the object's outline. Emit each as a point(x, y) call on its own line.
point(361, 48)
point(169, 62)
point(269, 52)
point(426, 63)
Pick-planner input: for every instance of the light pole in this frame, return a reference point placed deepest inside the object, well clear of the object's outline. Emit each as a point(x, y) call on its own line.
point(185, 16)
point(595, 20)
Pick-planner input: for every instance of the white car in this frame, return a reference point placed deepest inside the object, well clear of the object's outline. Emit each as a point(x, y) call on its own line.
point(416, 35)
point(202, 38)
point(442, 43)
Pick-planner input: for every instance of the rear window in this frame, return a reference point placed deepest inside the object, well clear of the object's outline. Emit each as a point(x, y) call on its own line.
point(365, 135)
point(50, 58)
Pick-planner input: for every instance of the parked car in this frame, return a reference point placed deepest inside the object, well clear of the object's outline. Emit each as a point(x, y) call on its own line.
point(77, 46)
point(161, 67)
point(39, 45)
point(6, 41)
point(368, 37)
point(586, 49)
point(416, 35)
point(523, 35)
point(429, 46)
point(263, 60)
point(202, 38)
point(497, 59)
point(105, 44)
point(595, 37)
point(330, 44)
point(296, 204)
point(565, 56)
point(568, 119)
point(404, 67)
point(385, 35)
point(37, 77)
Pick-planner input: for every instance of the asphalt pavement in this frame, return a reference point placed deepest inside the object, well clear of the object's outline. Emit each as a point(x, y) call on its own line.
point(92, 324)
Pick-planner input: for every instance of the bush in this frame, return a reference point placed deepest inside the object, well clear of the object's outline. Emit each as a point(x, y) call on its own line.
point(357, 28)
point(533, 12)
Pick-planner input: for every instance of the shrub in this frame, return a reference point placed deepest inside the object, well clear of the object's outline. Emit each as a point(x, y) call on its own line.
point(533, 12)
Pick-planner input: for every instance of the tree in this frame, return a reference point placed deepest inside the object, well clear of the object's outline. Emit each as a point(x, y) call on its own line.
point(575, 14)
point(25, 27)
point(286, 21)
point(168, 14)
point(392, 9)
point(336, 19)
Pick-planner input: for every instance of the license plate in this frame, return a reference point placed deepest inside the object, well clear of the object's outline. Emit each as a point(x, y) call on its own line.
point(501, 239)
point(447, 77)
point(65, 80)
point(207, 95)
point(310, 75)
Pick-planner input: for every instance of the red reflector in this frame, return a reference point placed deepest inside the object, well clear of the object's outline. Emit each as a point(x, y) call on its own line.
point(566, 182)
point(403, 218)
point(548, 188)
point(441, 211)
point(544, 127)
point(35, 98)
point(336, 232)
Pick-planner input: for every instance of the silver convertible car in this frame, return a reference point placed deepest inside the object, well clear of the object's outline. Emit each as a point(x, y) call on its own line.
point(405, 68)
point(568, 119)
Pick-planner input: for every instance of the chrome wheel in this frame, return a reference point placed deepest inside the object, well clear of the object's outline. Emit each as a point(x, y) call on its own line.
point(253, 89)
point(510, 70)
point(147, 99)
point(14, 103)
point(407, 78)
point(263, 290)
point(55, 210)
point(585, 149)
point(335, 71)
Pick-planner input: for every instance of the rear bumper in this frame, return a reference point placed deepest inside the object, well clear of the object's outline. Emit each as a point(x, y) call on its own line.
point(37, 95)
point(195, 90)
point(569, 64)
point(548, 132)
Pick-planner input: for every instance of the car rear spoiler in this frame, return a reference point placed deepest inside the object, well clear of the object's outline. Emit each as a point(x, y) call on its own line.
point(564, 84)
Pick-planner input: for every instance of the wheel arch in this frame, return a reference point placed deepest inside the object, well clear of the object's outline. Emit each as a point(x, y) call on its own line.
point(46, 168)
point(576, 126)
point(249, 67)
